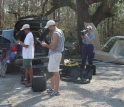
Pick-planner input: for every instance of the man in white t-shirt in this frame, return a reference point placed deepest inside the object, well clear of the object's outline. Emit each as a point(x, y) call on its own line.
point(27, 53)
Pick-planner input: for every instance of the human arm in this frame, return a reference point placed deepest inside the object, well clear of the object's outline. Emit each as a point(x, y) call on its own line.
point(54, 43)
point(83, 39)
point(91, 38)
point(18, 42)
point(27, 41)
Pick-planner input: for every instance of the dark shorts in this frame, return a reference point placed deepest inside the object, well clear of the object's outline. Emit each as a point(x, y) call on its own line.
point(27, 63)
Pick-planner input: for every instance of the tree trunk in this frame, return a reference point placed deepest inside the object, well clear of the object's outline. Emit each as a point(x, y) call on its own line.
point(108, 32)
point(3, 10)
point(105, 29)
point(0, 13)
point(59, 14)
point(18, 13)
point(112, 28)
point(82, 16)
point(54, 14)
point(103, 11)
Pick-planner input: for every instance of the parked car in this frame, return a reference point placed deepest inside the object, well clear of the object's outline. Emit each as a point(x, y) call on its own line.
point(37, 28)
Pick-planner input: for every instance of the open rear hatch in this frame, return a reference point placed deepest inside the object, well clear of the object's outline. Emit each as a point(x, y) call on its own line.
point(37, 27)
point(36, 24)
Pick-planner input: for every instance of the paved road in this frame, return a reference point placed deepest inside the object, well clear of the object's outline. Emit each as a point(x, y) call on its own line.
point(105, 90)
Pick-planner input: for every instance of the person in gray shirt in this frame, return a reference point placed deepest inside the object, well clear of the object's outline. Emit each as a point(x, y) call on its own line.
point(55, 55)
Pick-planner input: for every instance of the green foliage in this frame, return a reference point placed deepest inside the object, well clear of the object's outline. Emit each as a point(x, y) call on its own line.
point(117, 8)
point(67, 17)
point(93, 8)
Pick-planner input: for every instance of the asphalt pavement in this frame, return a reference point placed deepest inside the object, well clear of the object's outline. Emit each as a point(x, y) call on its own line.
point(105, 90)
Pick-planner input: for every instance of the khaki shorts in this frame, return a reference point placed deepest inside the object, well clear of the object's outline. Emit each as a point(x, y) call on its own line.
point(54, 62)
point(27, 63)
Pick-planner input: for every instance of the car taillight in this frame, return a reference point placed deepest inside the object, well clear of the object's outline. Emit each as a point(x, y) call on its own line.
point(14, 49)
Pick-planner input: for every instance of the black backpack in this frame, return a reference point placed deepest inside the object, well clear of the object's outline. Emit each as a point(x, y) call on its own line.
point(75, 73)
point(93, 67)
point(86, 74)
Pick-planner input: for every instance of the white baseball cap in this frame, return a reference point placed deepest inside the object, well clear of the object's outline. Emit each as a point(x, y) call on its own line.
point(25, 26)
point(50, 23)
point(89, 27)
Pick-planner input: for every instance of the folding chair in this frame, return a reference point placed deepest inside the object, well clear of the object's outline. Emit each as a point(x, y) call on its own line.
point(3, 64)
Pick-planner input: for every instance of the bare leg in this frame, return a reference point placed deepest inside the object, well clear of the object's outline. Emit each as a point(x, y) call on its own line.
point(57, 80)
point(52, 79)
point(30, 74)
point(26, 74)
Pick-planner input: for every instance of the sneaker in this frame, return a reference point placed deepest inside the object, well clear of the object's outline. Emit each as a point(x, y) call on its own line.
point(28, 85)
point(50, 90)
point(24, 82)
point(54, 93)
point(86, 81)
point(78, 79)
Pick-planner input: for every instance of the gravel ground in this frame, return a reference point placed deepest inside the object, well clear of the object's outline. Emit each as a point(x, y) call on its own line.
point(105, 90)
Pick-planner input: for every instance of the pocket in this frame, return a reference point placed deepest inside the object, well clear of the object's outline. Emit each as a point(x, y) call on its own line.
point(58, 57)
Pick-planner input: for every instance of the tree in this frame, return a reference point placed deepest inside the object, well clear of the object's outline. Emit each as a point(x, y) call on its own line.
point(94, 11)
point(81, 8)
point(1, 12)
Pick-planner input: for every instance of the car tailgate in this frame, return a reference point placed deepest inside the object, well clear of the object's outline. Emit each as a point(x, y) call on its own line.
point(43, 59)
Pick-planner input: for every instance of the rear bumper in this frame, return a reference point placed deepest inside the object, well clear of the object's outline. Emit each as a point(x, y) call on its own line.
point(43, 59)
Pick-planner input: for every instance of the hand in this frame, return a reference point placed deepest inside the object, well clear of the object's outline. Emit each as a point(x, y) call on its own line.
point(43, 44)
point(17, 41)
point(85, 36)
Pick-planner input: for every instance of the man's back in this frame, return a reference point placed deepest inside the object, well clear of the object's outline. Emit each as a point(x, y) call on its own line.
point(28, 53)
point(60, 44)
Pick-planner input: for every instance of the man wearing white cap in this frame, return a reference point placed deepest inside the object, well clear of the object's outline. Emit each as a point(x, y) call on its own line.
point(55, 55)
point(88, 48)
point(27, 53)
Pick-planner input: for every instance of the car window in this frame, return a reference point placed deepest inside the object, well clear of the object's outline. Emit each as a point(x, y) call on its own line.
point(0, 39)
point(3, 40)
point(0, 32)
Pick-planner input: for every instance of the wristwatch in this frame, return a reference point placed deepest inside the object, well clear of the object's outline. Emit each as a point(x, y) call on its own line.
point(19, 43)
